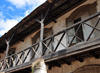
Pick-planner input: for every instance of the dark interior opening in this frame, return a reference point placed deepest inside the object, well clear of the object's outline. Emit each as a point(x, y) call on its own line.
point(80, 30)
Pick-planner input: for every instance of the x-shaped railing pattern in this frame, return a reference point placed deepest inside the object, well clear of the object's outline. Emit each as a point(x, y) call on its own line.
point(51, 44)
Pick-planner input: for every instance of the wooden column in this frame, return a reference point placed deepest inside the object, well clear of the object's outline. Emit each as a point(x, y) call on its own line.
point(7, 49)
point(42, 29)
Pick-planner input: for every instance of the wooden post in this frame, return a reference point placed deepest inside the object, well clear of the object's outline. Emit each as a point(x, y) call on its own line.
point(7, 49)
point(42, 29)
point(41, 36)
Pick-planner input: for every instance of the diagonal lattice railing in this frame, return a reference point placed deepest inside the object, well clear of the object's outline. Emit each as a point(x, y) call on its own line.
point(51, 44)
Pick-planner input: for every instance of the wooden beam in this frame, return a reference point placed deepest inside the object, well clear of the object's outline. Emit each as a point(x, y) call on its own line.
point(57, 64)
point(51, 18)
point(80, 59)
point(50, 67)
point(93, 29)
point(26, 70)
point(68, 62)
point(19, 39)
point(50, 1)
point(95, 54)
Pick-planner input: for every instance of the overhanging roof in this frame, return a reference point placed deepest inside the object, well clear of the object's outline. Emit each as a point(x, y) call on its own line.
point(28, 25)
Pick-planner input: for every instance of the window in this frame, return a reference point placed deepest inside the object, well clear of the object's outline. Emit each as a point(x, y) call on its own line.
point(80, 30)
point(72, 32)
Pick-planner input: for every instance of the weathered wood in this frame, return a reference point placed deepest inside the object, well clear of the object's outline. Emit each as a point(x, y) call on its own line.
point(26, 55)
point(34, 52)
point(49, 1)
point(93, 29)
point(79, 58)
point(51, 18)
point(86, 46)
point(7, 48)
point(50, 67)
point(80, 48)
point(59, 41)
point(57, 64)
point(68, 62)
point(19, 57)
point(47, 47)
point(69, 28)
point(95, 54)
point(13, 61)
point(83, 47)
point(19, 39)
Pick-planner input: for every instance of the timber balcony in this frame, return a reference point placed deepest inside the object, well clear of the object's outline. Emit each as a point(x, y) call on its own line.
point(55, 48)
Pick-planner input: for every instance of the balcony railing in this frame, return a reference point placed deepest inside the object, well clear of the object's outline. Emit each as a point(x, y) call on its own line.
point(51, 44)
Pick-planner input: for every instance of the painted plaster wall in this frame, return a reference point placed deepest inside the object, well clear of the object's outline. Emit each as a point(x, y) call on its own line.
point(75, 65)
point(60, 25)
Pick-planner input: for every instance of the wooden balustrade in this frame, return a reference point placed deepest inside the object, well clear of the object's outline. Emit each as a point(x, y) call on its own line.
point(32, 52)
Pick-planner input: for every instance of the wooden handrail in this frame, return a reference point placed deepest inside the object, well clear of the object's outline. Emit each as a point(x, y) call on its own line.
point(49, 38)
